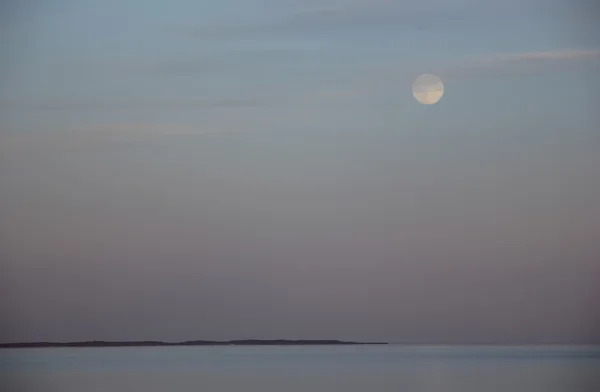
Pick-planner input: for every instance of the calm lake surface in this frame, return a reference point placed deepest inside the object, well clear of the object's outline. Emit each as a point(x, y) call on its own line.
point(302, 368)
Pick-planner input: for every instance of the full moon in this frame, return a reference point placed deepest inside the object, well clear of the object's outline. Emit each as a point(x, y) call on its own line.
point(428, 89)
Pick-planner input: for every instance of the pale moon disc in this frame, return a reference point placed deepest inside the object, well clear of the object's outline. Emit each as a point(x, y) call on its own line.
point(428, 89)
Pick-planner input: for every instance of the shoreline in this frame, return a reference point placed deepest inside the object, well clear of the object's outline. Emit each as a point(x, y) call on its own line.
point(248, 342)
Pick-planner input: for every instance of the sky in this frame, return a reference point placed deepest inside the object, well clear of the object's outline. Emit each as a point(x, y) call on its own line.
point(260, 169)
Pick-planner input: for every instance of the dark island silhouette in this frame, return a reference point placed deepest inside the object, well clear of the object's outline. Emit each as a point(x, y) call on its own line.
point(247, 342)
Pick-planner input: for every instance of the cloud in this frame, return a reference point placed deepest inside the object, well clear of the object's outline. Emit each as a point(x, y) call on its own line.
point(551, 55)
point(239, 60)
point(94, 135)
point(82, 105)
point(310, 16)
point(520, 63)
point(500, 64)
point(120, 130)
point(313, 18)
point(517, 63)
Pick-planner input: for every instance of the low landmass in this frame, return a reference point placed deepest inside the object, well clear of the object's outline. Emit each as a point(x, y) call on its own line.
point(247, 342)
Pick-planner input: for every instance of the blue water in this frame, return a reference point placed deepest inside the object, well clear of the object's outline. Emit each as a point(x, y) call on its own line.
point(316, 368)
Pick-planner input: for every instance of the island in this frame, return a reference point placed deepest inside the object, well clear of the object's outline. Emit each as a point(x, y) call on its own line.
point(247, 342)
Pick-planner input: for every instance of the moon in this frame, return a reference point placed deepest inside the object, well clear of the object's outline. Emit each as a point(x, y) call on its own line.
point(428, 89)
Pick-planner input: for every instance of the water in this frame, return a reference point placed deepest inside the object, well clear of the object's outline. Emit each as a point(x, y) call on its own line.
point(302, 368)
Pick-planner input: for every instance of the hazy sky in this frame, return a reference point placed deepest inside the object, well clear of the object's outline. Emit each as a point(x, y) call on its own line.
point(259, 169)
